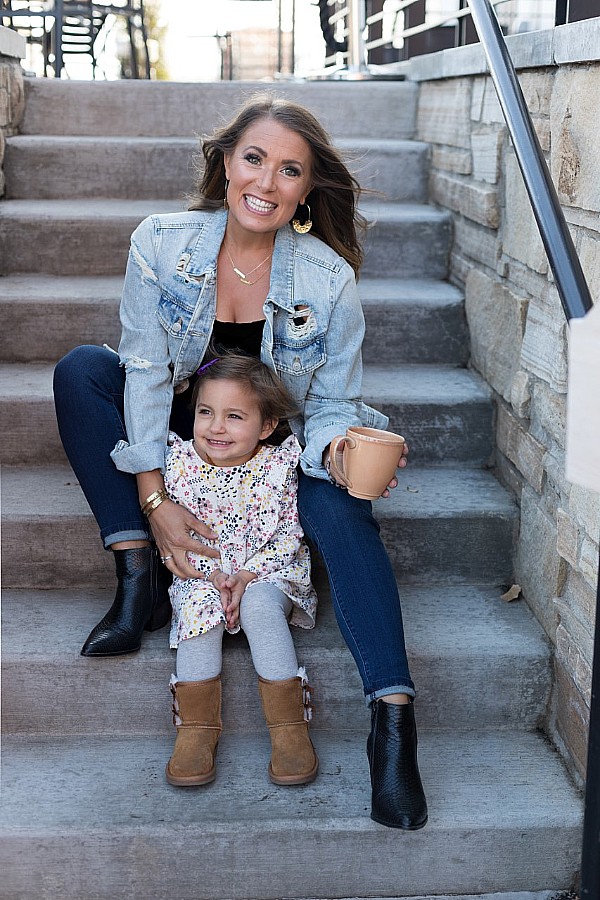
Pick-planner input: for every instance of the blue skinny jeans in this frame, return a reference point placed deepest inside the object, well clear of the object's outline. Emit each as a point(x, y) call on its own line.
point(89, 386)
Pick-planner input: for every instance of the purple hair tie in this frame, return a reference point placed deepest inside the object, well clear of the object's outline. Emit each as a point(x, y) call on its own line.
point(206, 365)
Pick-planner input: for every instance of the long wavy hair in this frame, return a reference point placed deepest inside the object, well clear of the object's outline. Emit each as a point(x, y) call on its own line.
point(333, 198)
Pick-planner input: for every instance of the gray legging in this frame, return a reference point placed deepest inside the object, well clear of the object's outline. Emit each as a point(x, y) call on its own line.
point(264, 612)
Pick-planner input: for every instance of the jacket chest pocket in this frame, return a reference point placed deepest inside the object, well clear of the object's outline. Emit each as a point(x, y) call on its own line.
point(298, 341)
point(175, 314)
point(299, 357)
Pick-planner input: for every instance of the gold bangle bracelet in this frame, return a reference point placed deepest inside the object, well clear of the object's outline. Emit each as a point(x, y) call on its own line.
point(156, 503)
point(154, 500)
point(158, 493)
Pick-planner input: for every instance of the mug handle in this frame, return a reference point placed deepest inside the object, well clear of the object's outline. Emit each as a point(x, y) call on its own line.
point(336, 457)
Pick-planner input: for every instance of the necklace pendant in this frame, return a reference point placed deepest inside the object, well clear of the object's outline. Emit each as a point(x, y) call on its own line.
point(239, 274)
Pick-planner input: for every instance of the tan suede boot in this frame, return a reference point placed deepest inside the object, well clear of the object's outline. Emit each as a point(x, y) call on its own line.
point(286, 705)
point(197, 716)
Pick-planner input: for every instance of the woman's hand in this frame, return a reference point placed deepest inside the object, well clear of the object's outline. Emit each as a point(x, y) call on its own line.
point(172, 526)
point(401, 465)
point(336, 474)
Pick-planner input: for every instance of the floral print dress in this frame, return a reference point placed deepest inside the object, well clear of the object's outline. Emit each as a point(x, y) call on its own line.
point(252, 508)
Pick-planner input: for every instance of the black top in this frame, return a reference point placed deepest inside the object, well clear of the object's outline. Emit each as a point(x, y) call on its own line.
point(244, 336)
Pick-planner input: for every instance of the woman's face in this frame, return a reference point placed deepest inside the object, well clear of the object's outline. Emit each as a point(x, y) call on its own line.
point(269, 174)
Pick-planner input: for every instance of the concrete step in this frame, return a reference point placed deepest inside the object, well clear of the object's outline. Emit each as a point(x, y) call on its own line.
point(72, 237)
point(442, 525)
point(445, 413)
point(170, 109)
point(91, 237)
point(458, 638)
point(412, 320)
point(45, 316)
point(104, 823)
point(47, 167)
point(406, 240)
point(449, 525)
point(408, 320)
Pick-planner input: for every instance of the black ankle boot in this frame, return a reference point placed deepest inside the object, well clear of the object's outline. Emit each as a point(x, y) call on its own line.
point(141, 602)
point(397, 800)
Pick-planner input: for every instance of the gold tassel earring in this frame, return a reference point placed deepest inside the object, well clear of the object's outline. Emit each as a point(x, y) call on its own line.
point(225, 203)
point(298, 226)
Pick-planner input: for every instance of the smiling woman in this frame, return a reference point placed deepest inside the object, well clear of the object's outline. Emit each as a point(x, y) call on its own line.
point(248, 267)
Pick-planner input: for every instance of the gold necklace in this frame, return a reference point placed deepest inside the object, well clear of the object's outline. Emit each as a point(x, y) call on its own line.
point(244, 277)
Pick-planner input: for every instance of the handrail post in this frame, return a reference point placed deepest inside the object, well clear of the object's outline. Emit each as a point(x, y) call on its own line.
point(58, 25)
point(356, 42)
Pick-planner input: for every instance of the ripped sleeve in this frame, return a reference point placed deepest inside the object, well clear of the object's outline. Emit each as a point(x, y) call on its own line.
point(143, 351)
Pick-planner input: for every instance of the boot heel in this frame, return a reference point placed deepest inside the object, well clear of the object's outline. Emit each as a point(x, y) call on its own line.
point(160, 617)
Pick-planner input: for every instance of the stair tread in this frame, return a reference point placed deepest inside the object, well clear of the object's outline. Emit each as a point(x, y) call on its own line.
point(88, 208)
point(102, 807)
point(413, 383)
point(35, 287)
point(401, 384)
point(465, 621)
point(391, 145)
point(129, 106)
point(52, 491)
point(49, 289)
point(85, 208)
point(69, 140)
point(473, 780)
point(426, 291)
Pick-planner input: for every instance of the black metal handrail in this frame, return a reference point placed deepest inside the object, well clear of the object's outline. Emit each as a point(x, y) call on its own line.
point(575, 297)
point(564, 262)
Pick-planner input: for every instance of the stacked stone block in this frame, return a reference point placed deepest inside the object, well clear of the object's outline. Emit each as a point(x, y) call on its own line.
point(12, 48)
point(518, 329)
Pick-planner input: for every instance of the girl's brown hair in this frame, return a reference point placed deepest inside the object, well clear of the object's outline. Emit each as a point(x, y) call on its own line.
point(274, 401)
point(333, 198)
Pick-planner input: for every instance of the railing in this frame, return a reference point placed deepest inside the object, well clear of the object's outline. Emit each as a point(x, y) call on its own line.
point(350, 25)
point(576, 301)
point(64, 27)
point(362, 33)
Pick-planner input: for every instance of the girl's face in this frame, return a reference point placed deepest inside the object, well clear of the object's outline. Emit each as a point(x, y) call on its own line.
point(269, 175)
point(228, 425)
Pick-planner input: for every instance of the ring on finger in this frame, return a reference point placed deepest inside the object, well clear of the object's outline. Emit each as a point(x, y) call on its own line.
point(163, 559)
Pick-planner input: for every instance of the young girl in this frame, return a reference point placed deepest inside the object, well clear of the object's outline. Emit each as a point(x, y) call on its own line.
point(237, 482)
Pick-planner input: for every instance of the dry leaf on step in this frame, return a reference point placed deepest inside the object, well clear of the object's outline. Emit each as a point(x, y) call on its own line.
point(513, 593)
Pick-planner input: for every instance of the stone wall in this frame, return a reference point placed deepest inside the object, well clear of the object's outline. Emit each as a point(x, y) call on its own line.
point(518, 329)
point(12, 48)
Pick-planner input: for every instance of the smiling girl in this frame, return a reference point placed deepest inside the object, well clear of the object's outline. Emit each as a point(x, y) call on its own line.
point(234, 478)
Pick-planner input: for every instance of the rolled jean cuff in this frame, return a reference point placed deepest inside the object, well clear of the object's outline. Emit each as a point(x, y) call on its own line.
point(132, 535)
point(394, 689)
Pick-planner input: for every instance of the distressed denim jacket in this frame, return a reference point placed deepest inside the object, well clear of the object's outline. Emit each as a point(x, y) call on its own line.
point(167, 314)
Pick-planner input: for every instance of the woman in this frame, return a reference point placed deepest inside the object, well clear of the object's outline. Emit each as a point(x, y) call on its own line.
point(234, 271)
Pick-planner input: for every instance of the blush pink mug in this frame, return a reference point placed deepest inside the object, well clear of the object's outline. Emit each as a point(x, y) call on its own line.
point(367, 460)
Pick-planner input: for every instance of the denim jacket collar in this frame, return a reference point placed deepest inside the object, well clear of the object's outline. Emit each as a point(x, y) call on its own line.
point(203, 258)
